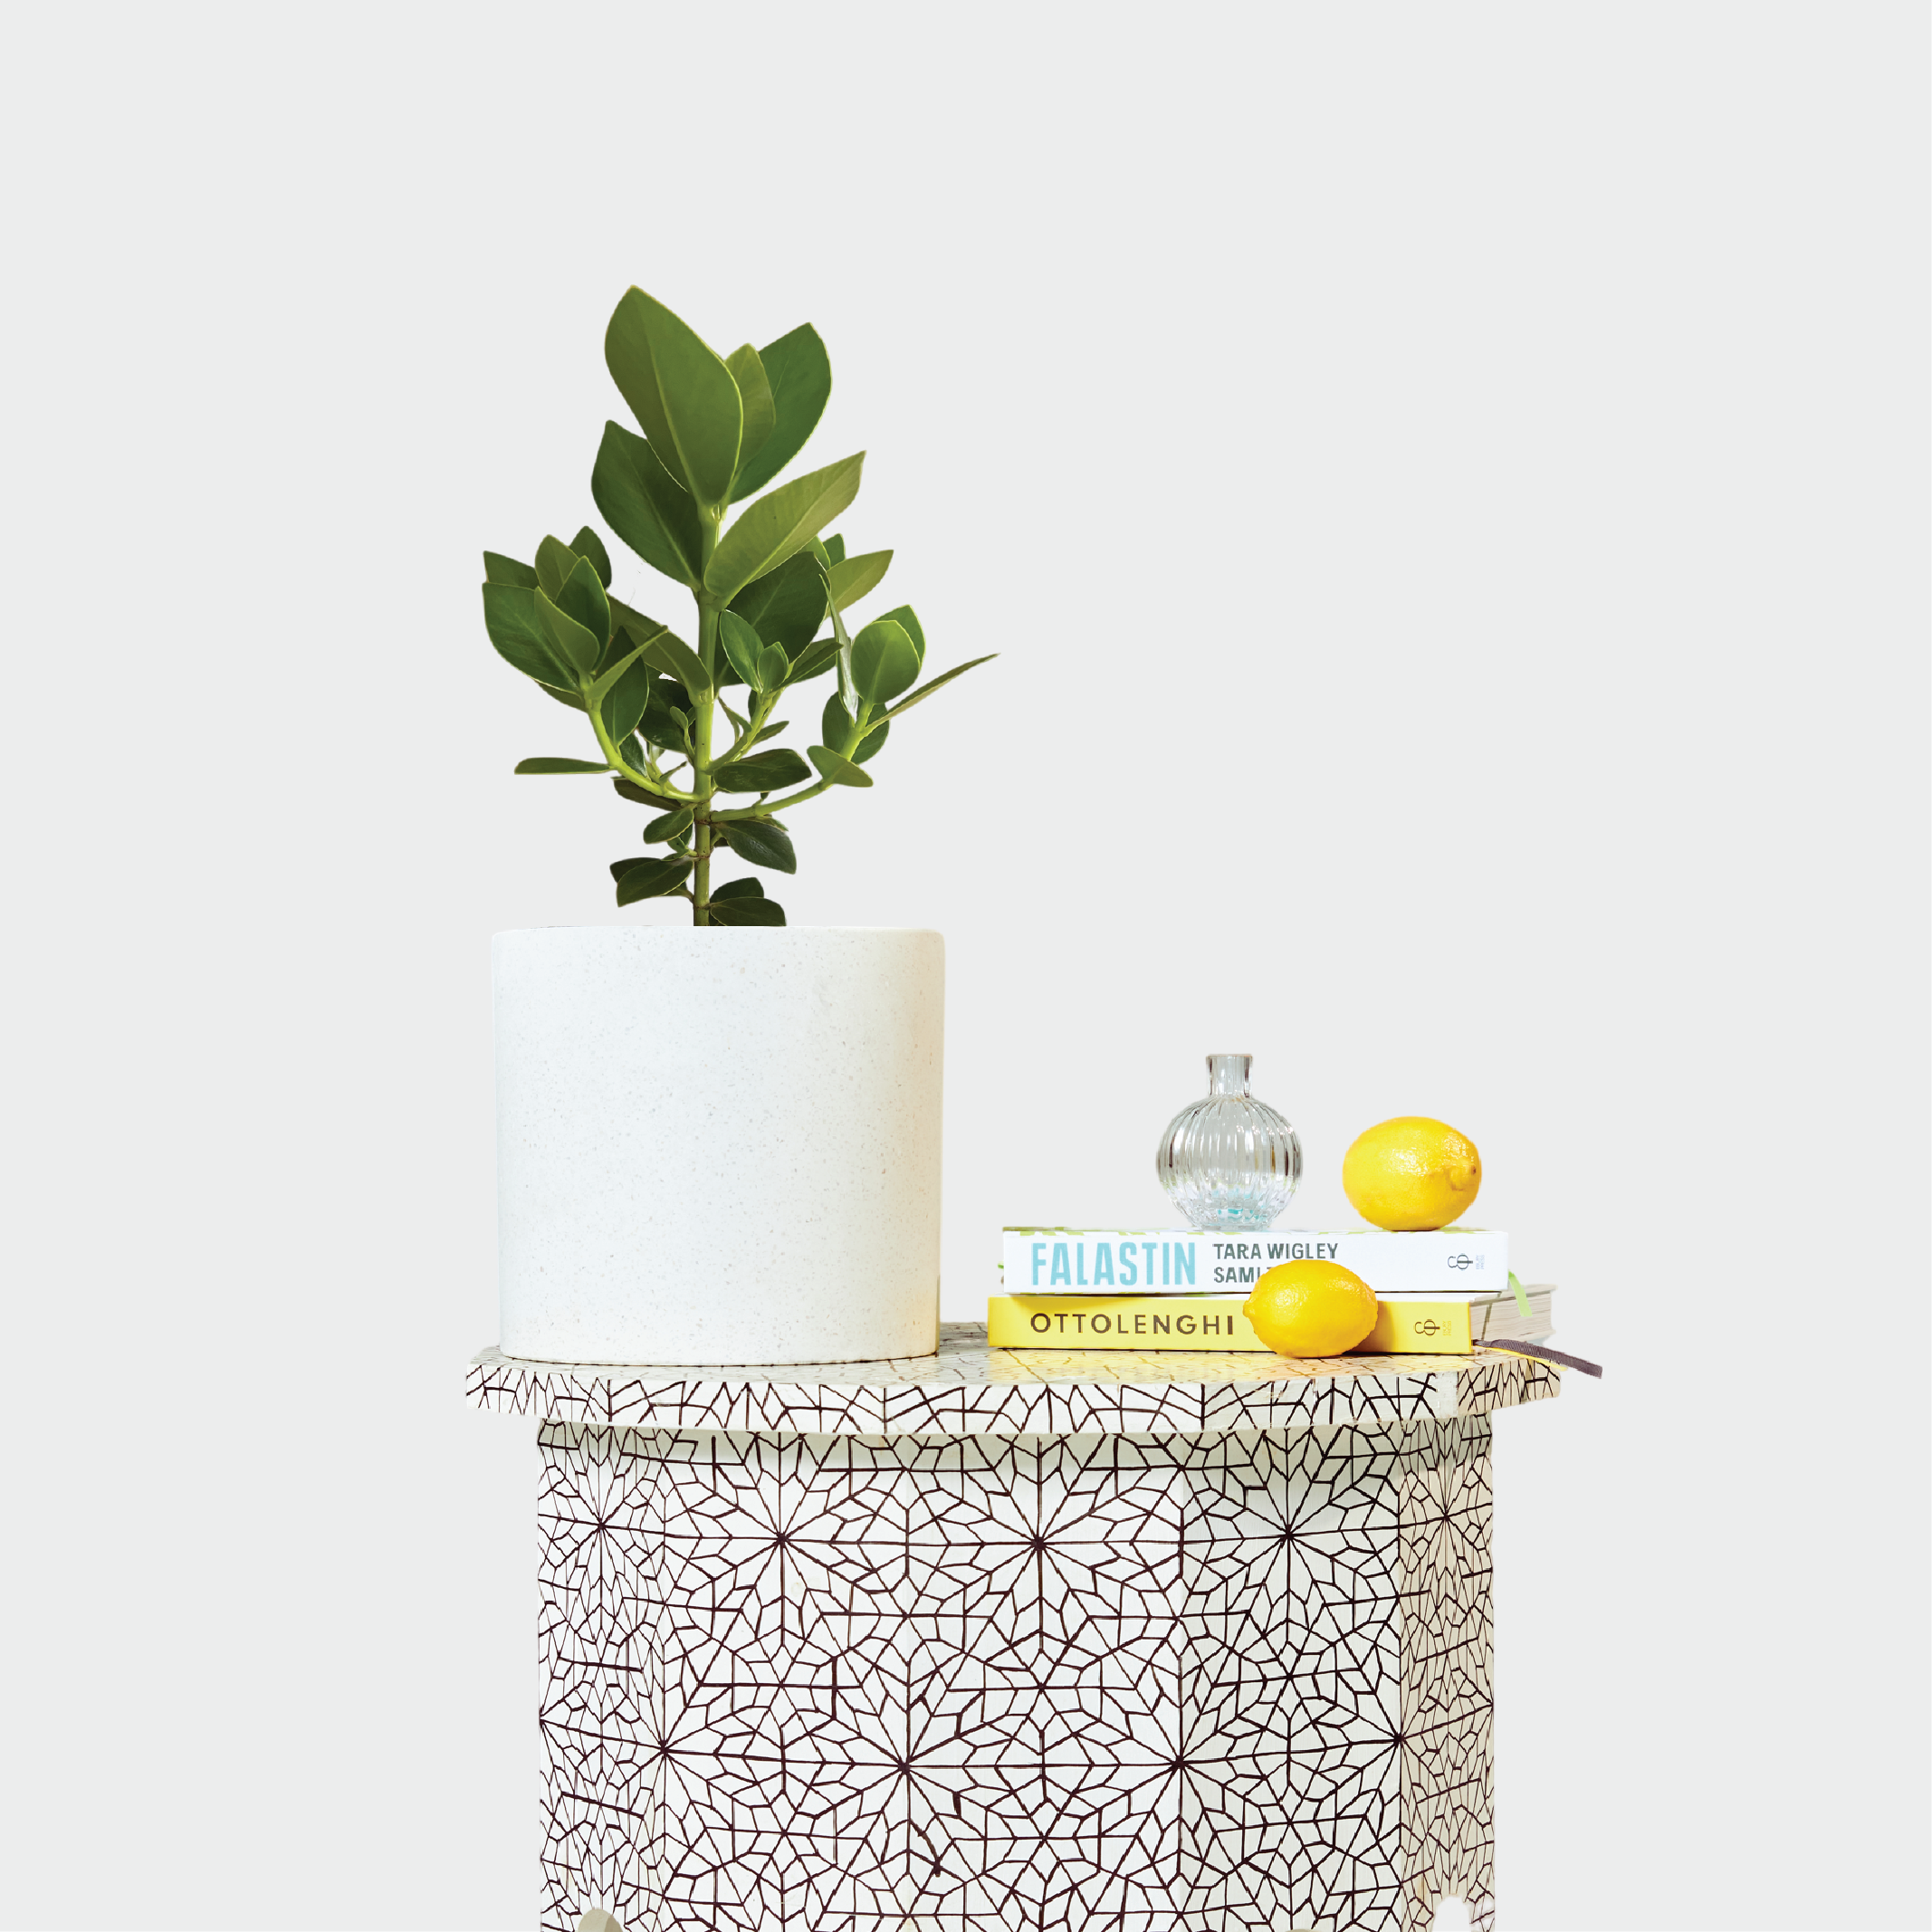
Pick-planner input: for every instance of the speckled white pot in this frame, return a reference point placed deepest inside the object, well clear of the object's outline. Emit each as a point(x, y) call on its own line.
point(719, 1146)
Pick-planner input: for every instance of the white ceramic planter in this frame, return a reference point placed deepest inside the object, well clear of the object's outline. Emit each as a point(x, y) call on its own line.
point(719, 1146)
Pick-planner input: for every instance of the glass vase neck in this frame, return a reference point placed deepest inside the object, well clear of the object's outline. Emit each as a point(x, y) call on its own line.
point(1228, 1073)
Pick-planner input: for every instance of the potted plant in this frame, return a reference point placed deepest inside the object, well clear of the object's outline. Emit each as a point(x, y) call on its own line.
point(716, 1144)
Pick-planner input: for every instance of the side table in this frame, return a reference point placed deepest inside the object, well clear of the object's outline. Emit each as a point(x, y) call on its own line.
point(1015, 1640)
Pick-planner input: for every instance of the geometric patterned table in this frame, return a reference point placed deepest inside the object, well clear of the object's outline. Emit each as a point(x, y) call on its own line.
point(1015, 1640)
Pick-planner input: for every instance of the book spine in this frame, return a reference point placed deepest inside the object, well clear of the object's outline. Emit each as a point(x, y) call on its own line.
point(1158, 1324)
point(1471, 1262)
point(1125, 1321)
point(1103, 1262)
point(1419, 1328)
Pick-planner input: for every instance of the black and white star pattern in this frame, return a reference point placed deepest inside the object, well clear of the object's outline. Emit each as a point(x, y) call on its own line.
point(1232, 1679)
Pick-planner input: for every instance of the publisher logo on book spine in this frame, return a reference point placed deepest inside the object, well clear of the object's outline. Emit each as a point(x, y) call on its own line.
point(1461, 1262)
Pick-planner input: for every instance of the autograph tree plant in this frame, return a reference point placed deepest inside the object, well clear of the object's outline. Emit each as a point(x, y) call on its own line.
point(717, 429)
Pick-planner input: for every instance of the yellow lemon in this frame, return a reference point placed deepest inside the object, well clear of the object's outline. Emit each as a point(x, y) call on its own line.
point(1411, 1173)
point(1311, 1308)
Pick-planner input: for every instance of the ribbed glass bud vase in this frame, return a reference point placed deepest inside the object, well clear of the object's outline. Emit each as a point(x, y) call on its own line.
point(1229, 1161)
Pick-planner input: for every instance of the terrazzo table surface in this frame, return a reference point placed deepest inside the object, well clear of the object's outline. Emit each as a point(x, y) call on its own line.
point(1015, 1640)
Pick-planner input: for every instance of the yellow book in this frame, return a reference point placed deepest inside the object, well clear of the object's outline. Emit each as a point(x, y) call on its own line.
point(1151, 1322)
point(1122, 1321)
point(1419, 1328)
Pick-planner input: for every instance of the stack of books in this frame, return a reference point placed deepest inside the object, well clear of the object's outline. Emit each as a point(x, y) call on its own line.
point(1441, 1293)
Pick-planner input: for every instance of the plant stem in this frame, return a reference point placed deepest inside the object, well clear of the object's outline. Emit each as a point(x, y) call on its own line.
point(771, 808)
point(701, 783)
point(651, 781)
point(702, 786)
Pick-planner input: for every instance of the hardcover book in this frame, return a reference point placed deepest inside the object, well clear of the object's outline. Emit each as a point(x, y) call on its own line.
point(1185, 1262)
point(1151, 1323)
point(1500, 1318)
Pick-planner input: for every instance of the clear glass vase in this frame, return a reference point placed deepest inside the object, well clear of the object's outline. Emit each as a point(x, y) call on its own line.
point(1229, 1161)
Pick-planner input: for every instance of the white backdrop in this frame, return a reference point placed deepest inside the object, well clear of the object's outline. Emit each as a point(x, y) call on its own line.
point(1449, 487)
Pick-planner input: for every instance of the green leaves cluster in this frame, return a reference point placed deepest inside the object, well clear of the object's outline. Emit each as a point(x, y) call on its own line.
point(716, 430)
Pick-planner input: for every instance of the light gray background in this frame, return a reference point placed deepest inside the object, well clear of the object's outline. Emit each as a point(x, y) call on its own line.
point(1449, 484)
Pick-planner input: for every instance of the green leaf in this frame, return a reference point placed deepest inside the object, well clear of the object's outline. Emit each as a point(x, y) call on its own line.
point(650, 510)
point(884, 662)
point(739, 889)
point(787, 604)
point(779, 525)
point(835, 552)
point(668, 825)
point(847, 690)
point(840, 770)
point(649, 879)
point(774, 667)
point(660, 723)
point(771, 730)
point(799, 373)
point(626, 688)
point(762, 771)
point(637, 795)
point(837, 727)
point(627, 701)
point(582, 598)
point(536, 766)
point(742, 646)
point(633, 628)
point(754, 391)
point(521, 635)
point(571, 643)
point(681, 392)
point(814, 659)
point(903, 617)
point(840, 729)
point(759, 911)
point(508, 570)
point(851, 578)
point(759, 842)
point(945, 677)
point(682, 662)
point(588, 543)
point(642, 628)
point(621, 660)
point(555, 561)
point(573, 699)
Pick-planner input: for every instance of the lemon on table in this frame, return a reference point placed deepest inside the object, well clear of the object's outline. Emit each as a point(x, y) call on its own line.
point(1411, 1173)
point(1311, 1308)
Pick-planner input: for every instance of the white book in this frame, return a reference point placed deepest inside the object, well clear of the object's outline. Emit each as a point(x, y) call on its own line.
point(1500, 1320)
point(1470, 1262)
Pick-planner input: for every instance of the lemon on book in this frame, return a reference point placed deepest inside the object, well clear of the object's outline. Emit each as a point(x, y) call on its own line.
point(1311, 1308)
point(1411, 1173)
